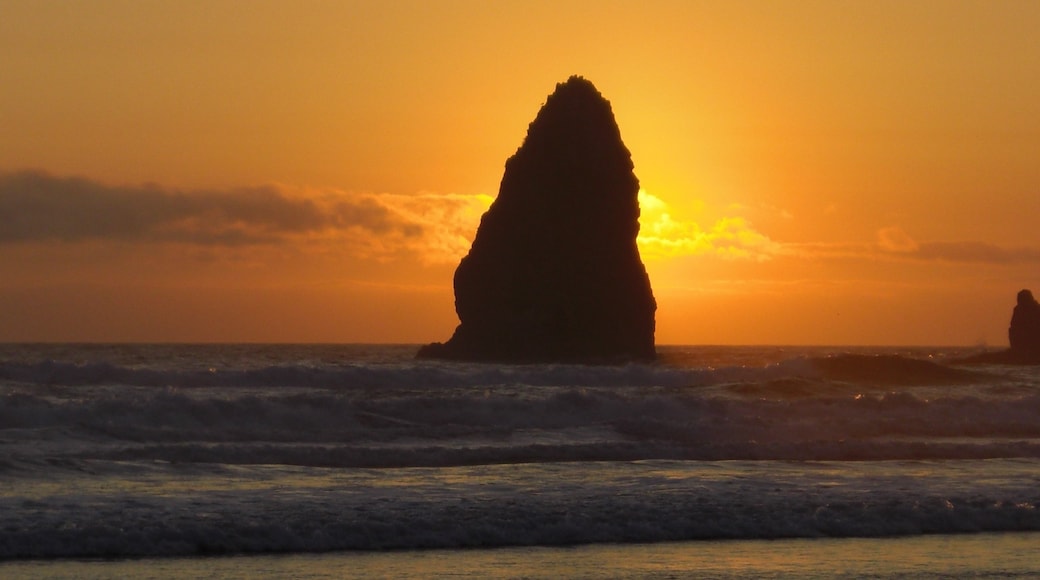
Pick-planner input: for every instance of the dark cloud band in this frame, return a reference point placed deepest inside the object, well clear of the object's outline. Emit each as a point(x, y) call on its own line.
point(976, 252)
point(35, 206)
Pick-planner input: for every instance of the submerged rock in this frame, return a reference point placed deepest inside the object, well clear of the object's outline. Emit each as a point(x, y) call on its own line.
point(554, 274)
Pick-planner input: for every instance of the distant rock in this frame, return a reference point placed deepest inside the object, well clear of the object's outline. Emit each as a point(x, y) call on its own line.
point(554, 274)
point(1023, 334)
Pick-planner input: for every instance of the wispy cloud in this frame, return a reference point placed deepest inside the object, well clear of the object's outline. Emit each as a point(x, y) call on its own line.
point(35, 206)
point(38, 207)
point(896, 242)
point(448, 221)
point(663, 236)
point(433, 228)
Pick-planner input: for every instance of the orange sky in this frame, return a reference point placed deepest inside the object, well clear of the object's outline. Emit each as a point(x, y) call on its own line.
point(812, 172)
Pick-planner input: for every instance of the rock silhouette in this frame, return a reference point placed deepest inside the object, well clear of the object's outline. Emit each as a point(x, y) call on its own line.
point(554, 274)
point(1023, 335)
point(1024, 332)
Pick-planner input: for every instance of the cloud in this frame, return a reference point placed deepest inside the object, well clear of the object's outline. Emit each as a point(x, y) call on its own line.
point(977, 253)
point(448, 221)
point(897, 241)
point(433, 228)
point(35, 206)
point(662, 236)
point(38, 207)
point(894, 241)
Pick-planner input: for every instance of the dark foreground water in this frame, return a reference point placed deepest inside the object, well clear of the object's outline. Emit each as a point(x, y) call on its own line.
point(145, 451)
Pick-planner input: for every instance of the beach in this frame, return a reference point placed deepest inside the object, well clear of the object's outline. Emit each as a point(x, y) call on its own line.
point(1007, 555)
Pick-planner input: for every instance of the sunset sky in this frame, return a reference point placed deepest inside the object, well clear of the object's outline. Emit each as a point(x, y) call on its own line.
point(856, 172)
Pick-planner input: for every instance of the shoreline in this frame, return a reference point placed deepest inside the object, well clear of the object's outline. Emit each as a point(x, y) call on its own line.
point(946, 556)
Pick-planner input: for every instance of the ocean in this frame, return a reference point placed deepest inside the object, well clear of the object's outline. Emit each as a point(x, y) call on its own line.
point(338, 460)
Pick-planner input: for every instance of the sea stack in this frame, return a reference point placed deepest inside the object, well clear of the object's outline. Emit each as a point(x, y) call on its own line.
point(1024, 331)
point(554, 274)
point(1023, 335)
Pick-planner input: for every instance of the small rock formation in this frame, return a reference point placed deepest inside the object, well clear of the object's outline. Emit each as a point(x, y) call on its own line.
point(1024, 332)
point(554, 274)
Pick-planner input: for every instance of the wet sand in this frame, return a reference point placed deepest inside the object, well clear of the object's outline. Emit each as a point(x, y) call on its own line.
point(941, 556)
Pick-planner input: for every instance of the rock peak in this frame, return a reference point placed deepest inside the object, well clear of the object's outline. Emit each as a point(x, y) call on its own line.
point(577, 87)
point(554, 274)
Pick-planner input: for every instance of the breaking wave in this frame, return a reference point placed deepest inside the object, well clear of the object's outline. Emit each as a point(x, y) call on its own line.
point(183, 450)
point(793, 410)
point(558, 505)
point(877, 369)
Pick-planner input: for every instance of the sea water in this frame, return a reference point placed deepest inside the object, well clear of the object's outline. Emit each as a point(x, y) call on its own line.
point(363, 454)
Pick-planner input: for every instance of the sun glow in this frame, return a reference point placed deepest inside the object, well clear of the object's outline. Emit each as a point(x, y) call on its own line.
point(817, 173)
point(662, 236)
